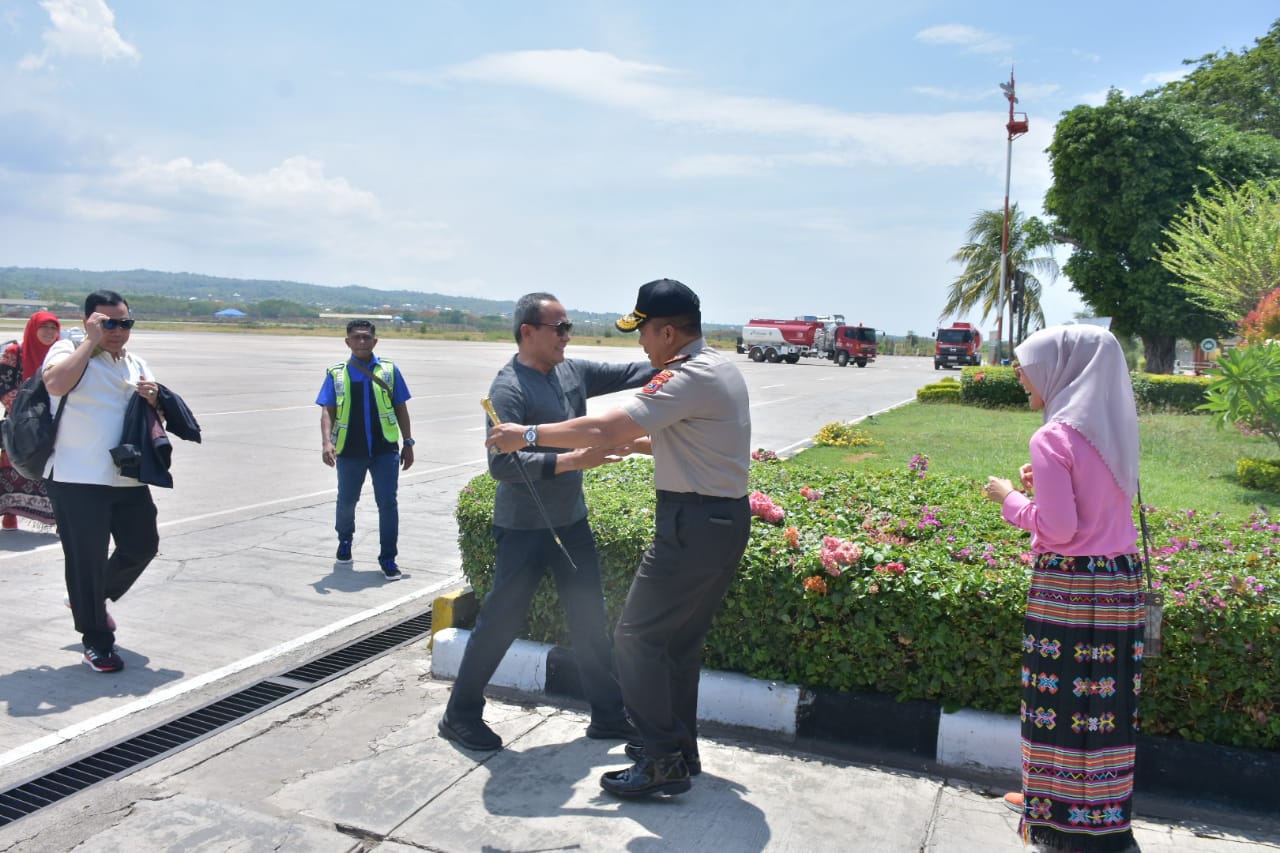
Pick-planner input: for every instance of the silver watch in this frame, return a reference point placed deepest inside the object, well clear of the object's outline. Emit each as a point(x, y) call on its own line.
point(531, 435)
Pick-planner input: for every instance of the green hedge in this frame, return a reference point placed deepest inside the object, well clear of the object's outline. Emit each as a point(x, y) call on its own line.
point(998, 387)
point(1263, 474)
point(1156, 392)
point(932, 608)
point(991, 387)
point(945, 391)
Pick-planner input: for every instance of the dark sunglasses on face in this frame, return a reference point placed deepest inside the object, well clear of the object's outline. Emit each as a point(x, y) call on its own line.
point(563, 328)
point(111, 324)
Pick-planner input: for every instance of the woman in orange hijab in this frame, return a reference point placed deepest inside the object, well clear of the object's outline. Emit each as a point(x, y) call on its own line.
point(19, 362)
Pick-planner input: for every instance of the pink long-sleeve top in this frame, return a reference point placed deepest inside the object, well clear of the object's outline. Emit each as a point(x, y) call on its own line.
point(1078, 508)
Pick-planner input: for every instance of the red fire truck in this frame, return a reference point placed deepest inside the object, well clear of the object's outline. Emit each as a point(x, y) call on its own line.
point(810, 336)
point(957, 344)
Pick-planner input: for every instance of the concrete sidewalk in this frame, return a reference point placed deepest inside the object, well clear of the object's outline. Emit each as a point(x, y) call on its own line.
point(356, 764)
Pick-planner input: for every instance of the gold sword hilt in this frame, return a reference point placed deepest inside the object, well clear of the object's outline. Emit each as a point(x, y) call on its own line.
point(489, 410)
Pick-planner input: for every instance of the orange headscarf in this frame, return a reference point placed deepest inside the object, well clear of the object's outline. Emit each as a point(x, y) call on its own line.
point(33, 352)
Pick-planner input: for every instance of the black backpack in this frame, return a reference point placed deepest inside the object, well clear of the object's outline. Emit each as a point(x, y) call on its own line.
point(29, 431)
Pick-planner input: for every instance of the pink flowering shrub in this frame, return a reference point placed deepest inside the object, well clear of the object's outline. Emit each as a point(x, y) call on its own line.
point(762, 506)
point(932, 605)
point(836, 553)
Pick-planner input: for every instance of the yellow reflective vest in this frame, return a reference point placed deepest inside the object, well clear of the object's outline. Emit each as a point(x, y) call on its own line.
point(384, 408)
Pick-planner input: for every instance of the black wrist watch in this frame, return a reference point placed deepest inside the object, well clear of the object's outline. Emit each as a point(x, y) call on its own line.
point(531, 435)
point(409, 442)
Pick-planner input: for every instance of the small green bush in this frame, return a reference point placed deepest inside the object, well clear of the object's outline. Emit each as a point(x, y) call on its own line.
point(839, 434)
point(946, 391)
point(910, 584)
point(991, 387)
point(1261, 474)
point(1155, 392)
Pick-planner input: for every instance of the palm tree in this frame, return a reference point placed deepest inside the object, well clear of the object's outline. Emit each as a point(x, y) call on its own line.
point(1030, 252)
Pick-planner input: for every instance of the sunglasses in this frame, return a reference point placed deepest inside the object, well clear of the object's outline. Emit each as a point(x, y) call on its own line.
point(111, 324)
point(563, 328)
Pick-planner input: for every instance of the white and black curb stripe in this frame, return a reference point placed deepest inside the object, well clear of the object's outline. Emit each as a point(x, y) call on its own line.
point(914, 731)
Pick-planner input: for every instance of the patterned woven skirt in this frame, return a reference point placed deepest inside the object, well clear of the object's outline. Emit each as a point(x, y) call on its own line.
point(1081, 678)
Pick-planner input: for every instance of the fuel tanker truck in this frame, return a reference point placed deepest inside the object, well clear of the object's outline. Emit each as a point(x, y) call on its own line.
point(810, 337)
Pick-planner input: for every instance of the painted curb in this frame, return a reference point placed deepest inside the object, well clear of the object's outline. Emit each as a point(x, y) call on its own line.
point(912, 731)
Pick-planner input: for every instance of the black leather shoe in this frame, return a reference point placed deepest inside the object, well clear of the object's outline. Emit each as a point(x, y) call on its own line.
point(635, 751)
point(472, 734)
point(620, 729)
point(666, 775)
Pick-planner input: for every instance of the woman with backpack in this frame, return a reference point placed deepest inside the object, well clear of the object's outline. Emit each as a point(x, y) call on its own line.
point(19, 362)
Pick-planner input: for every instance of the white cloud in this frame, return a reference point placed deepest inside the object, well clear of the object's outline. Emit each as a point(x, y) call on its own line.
point(973, 40)
point(322, 225)
point(81, 29)
point(652, 92)
point(1160, 78)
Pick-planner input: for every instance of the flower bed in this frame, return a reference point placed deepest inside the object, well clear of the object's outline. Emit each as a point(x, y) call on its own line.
point(910, 584)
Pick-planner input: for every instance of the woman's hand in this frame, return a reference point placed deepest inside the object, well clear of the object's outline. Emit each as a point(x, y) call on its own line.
point(997, 489)
point(1024, 474)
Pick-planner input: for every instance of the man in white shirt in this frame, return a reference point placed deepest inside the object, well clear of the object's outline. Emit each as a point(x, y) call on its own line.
point(92, 502)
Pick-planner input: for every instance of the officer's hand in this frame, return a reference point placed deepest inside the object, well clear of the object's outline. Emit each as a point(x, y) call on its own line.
point(406, 458)
point(506, 438)
point(327, 455)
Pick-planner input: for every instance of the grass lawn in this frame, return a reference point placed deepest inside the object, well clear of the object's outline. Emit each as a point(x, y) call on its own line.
point(1187, 462)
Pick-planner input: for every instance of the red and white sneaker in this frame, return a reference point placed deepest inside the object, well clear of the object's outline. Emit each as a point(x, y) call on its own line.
point(102, 661)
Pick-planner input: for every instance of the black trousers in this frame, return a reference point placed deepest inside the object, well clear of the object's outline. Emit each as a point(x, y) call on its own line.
point(523, 558)
point(697, 545)
point(89, 517)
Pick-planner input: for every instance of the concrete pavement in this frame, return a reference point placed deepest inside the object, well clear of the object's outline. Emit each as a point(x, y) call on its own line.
point(357, 765)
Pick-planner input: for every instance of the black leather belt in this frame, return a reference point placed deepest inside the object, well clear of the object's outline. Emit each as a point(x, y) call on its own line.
point(691, 498)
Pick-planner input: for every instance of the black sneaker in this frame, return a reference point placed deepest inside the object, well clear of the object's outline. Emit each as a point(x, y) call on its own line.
point(344, 551)
point(473, 734)
point(102, 661)
point(390, 570)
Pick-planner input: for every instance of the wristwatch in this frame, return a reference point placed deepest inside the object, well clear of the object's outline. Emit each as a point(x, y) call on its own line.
point(531, 435)
point(409, 442)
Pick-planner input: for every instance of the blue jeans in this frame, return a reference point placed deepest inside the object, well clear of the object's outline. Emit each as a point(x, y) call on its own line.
point(523, 557)
point(384, 469)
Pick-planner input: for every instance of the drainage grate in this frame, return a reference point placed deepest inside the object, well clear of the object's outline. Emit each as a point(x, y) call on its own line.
point(175, 736)
point(336, 663)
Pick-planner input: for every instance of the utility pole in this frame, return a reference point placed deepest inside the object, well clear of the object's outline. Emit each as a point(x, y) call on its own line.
point(1016, 128)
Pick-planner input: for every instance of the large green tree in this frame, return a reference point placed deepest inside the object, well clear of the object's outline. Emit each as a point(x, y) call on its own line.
point(1242, 89)
point(978, 285)
point(1121, 173)
point(1224, 248)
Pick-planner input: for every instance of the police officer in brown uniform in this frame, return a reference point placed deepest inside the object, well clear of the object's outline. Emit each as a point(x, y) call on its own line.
point(694, 417)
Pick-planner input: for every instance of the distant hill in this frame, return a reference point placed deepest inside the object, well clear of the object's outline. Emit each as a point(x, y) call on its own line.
point(19, 281)
point(72, 285)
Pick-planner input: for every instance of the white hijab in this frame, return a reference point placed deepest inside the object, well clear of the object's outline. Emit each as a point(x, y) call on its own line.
point(1080, 372)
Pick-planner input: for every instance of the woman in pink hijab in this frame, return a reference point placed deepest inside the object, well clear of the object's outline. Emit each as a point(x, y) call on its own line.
point(19, 362)
point(1082, 642)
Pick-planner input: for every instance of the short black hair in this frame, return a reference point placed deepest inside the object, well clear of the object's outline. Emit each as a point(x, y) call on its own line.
point(529, 310)
point(102, 297)
point(689, 324)
point(362, 325)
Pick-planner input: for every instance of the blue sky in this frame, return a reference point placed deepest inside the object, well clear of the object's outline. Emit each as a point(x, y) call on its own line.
point(780, 158)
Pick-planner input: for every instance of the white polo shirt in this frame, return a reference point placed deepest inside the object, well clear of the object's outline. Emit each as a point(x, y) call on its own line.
point(93, 417)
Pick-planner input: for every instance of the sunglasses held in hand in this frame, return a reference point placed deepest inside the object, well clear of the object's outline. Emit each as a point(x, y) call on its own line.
point(111, 324)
